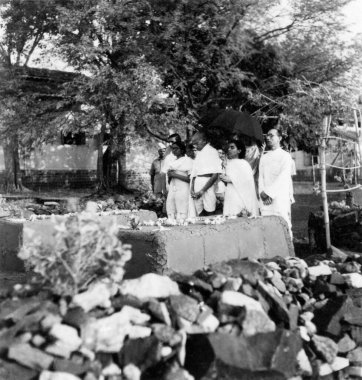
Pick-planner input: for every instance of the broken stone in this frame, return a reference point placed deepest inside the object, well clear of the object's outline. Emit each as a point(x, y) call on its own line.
point(355, 356)
point(353, 316)
point(320, 270)
point(277, 281)
point(346, 344)
point(278, 308)
point(356, 333)
point(29, 356)
point(50, 320)
point(304, 364)
point(131, 372)
point(111, 369)
point(233, 283)
point(159, 310)
point(325, 347)
point(328, 317)
point(338, 364)
point(38, 340)
point(256, 320)
point(355, 371)
point(107, 334)
point(98, 295)
point(208, 321)
point(150, 285)
point(13, 371)
point(185, 307)
point(66, 333)
point(17, 309)
point(48, 375)
point(143, 353)
point(336, 279)
point(166, 334)
point(135, 332)
point(75, 317)
point(354, 280)
point(275, 351)
point(70, 366)
point(338, 255)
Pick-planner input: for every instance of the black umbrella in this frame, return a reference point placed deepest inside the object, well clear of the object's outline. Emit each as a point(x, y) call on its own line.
point(235, 122)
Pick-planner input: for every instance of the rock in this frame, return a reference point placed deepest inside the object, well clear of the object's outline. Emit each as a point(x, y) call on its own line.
point(355, 356)
point(98, 295)
point(185, 307)
point(350, 267)
point(166, 334)
point(135, 332)
point(328, 318)
point(356, 295)
point(325, 347)
point(337, 279)
point(256, 320)
point(38, 340)
point(150, 285)
point(346, 344)
point(29, 356)
point(277, 281)
point(144, 353)
point(354, 280)
point(278, 309)
point(16, 309)
point(75, 317)
point(218, 280)
point(248, 270)
point(338, 364)
point(304, 364)
point(353, 316)
point(233, 283)
point(107, 334)
point(70, 366)
point(159, 310)
point(111, 369)
point(50, 320)
point(66, 333)
point(356, 334)
point(355, 371)
point(208, 321)
point(338, 255)
point(13, 371)
point(320, 270)
point(131, 372)
point(275, 351)
point(47, 375)
point(178, 374)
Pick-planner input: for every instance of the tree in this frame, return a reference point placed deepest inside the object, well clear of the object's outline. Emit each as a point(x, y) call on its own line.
point(25, 25)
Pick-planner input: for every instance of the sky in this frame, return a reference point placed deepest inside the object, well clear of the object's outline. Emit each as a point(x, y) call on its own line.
point(353, 13)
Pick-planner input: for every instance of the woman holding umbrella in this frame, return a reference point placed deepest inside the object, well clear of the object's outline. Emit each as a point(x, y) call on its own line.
point(240, 193)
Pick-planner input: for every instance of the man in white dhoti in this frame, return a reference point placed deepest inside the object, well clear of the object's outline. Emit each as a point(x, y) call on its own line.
point(204, 174)
point(275, 179)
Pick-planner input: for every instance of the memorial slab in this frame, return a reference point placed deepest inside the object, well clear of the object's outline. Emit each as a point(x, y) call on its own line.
point(158, 249)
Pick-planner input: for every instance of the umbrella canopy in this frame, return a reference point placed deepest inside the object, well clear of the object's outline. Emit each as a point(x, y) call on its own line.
point(234, 122)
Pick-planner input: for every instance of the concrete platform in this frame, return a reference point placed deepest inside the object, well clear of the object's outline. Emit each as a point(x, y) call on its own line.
point(189, 248)
point(181, 248)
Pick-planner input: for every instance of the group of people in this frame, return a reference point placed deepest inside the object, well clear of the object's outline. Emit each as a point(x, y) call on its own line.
point(251, 182)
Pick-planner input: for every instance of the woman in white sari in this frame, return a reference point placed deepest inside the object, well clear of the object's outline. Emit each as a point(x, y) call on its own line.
point(177, 203)
point(240, 192)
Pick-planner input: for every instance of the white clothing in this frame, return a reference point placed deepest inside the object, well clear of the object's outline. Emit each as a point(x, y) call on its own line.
point(252, 154)
point(169, 158)
point(276, 181)
point(240, 193)
point(207, 161)
point(177, 203)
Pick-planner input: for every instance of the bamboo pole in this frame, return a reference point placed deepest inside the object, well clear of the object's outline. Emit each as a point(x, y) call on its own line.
point(322, 153)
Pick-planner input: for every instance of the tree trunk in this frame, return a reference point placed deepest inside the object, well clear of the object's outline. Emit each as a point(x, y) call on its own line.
point(100, 172)
point(13, 180)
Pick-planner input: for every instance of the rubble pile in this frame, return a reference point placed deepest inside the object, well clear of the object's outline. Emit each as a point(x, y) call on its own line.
point(277, 319)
